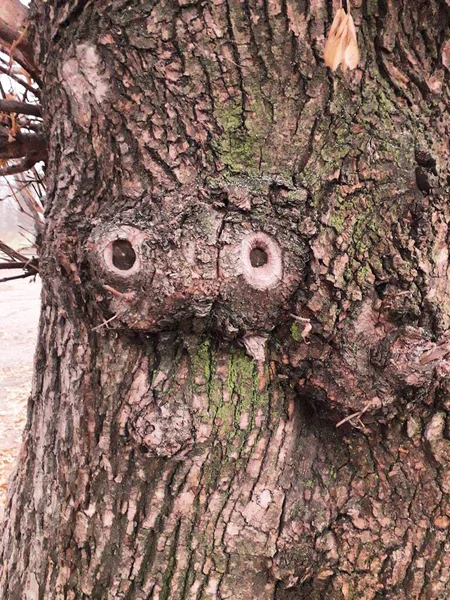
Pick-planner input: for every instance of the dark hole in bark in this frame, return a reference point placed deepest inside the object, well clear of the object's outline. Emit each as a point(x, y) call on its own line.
point(123, 255)
point(258, 257)
point(422, 180)
point(424, 159)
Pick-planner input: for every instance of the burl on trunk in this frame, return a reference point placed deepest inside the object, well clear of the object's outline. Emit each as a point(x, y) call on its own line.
point(243, 251)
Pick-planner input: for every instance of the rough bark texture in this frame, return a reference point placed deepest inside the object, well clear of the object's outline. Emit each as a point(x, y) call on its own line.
point(160, 460)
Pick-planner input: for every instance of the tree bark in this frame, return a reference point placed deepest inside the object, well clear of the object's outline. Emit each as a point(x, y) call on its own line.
point(242, 251)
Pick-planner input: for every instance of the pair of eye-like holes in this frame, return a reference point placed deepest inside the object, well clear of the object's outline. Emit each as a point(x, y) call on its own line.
point(260, 258)
point(124, 256)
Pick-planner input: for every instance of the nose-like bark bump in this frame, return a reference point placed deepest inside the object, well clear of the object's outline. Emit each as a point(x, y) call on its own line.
point(262, 261)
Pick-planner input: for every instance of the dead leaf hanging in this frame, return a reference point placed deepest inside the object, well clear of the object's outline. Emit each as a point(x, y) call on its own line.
point(351, 53)
point(341, 47)
point(333, 51)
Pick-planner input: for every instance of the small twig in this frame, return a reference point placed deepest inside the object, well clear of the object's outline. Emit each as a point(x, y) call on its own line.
point(128, 296)
point(35, 209)
point(356, 415)
point(32, 263)
point(307, 326)
point(300, 319)
point(105, 322)
point(114, 291)
point(439, 352)
point(26, 234)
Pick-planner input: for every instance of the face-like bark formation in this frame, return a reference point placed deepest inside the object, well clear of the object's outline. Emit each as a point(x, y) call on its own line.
point(242, 250)
point(211, 265)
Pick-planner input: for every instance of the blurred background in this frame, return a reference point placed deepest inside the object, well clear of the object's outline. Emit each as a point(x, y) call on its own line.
point(22, 199)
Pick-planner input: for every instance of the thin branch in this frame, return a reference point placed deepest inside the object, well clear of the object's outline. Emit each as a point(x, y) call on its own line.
point(12, 253)
point(25, 235)
point(21, 108)
point(30, 147)
point(20, 166)
point(24, 195)
point(12, 265)
point(30, 266)
point(13, 37)
point(7, 71)
point(22, 53)
point(21, 209)
point(18, 277)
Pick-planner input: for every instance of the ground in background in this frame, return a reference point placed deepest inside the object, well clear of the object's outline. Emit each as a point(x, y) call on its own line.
point(19, 315)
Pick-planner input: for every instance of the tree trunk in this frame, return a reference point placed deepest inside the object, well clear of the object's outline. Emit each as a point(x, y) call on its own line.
point(242, 251)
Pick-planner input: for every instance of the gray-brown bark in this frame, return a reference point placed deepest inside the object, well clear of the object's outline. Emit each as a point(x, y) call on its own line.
point(160, 460)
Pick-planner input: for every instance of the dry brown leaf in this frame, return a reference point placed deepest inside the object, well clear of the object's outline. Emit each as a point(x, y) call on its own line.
point(333, 50)
point(341, 47)
point(351, 54)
